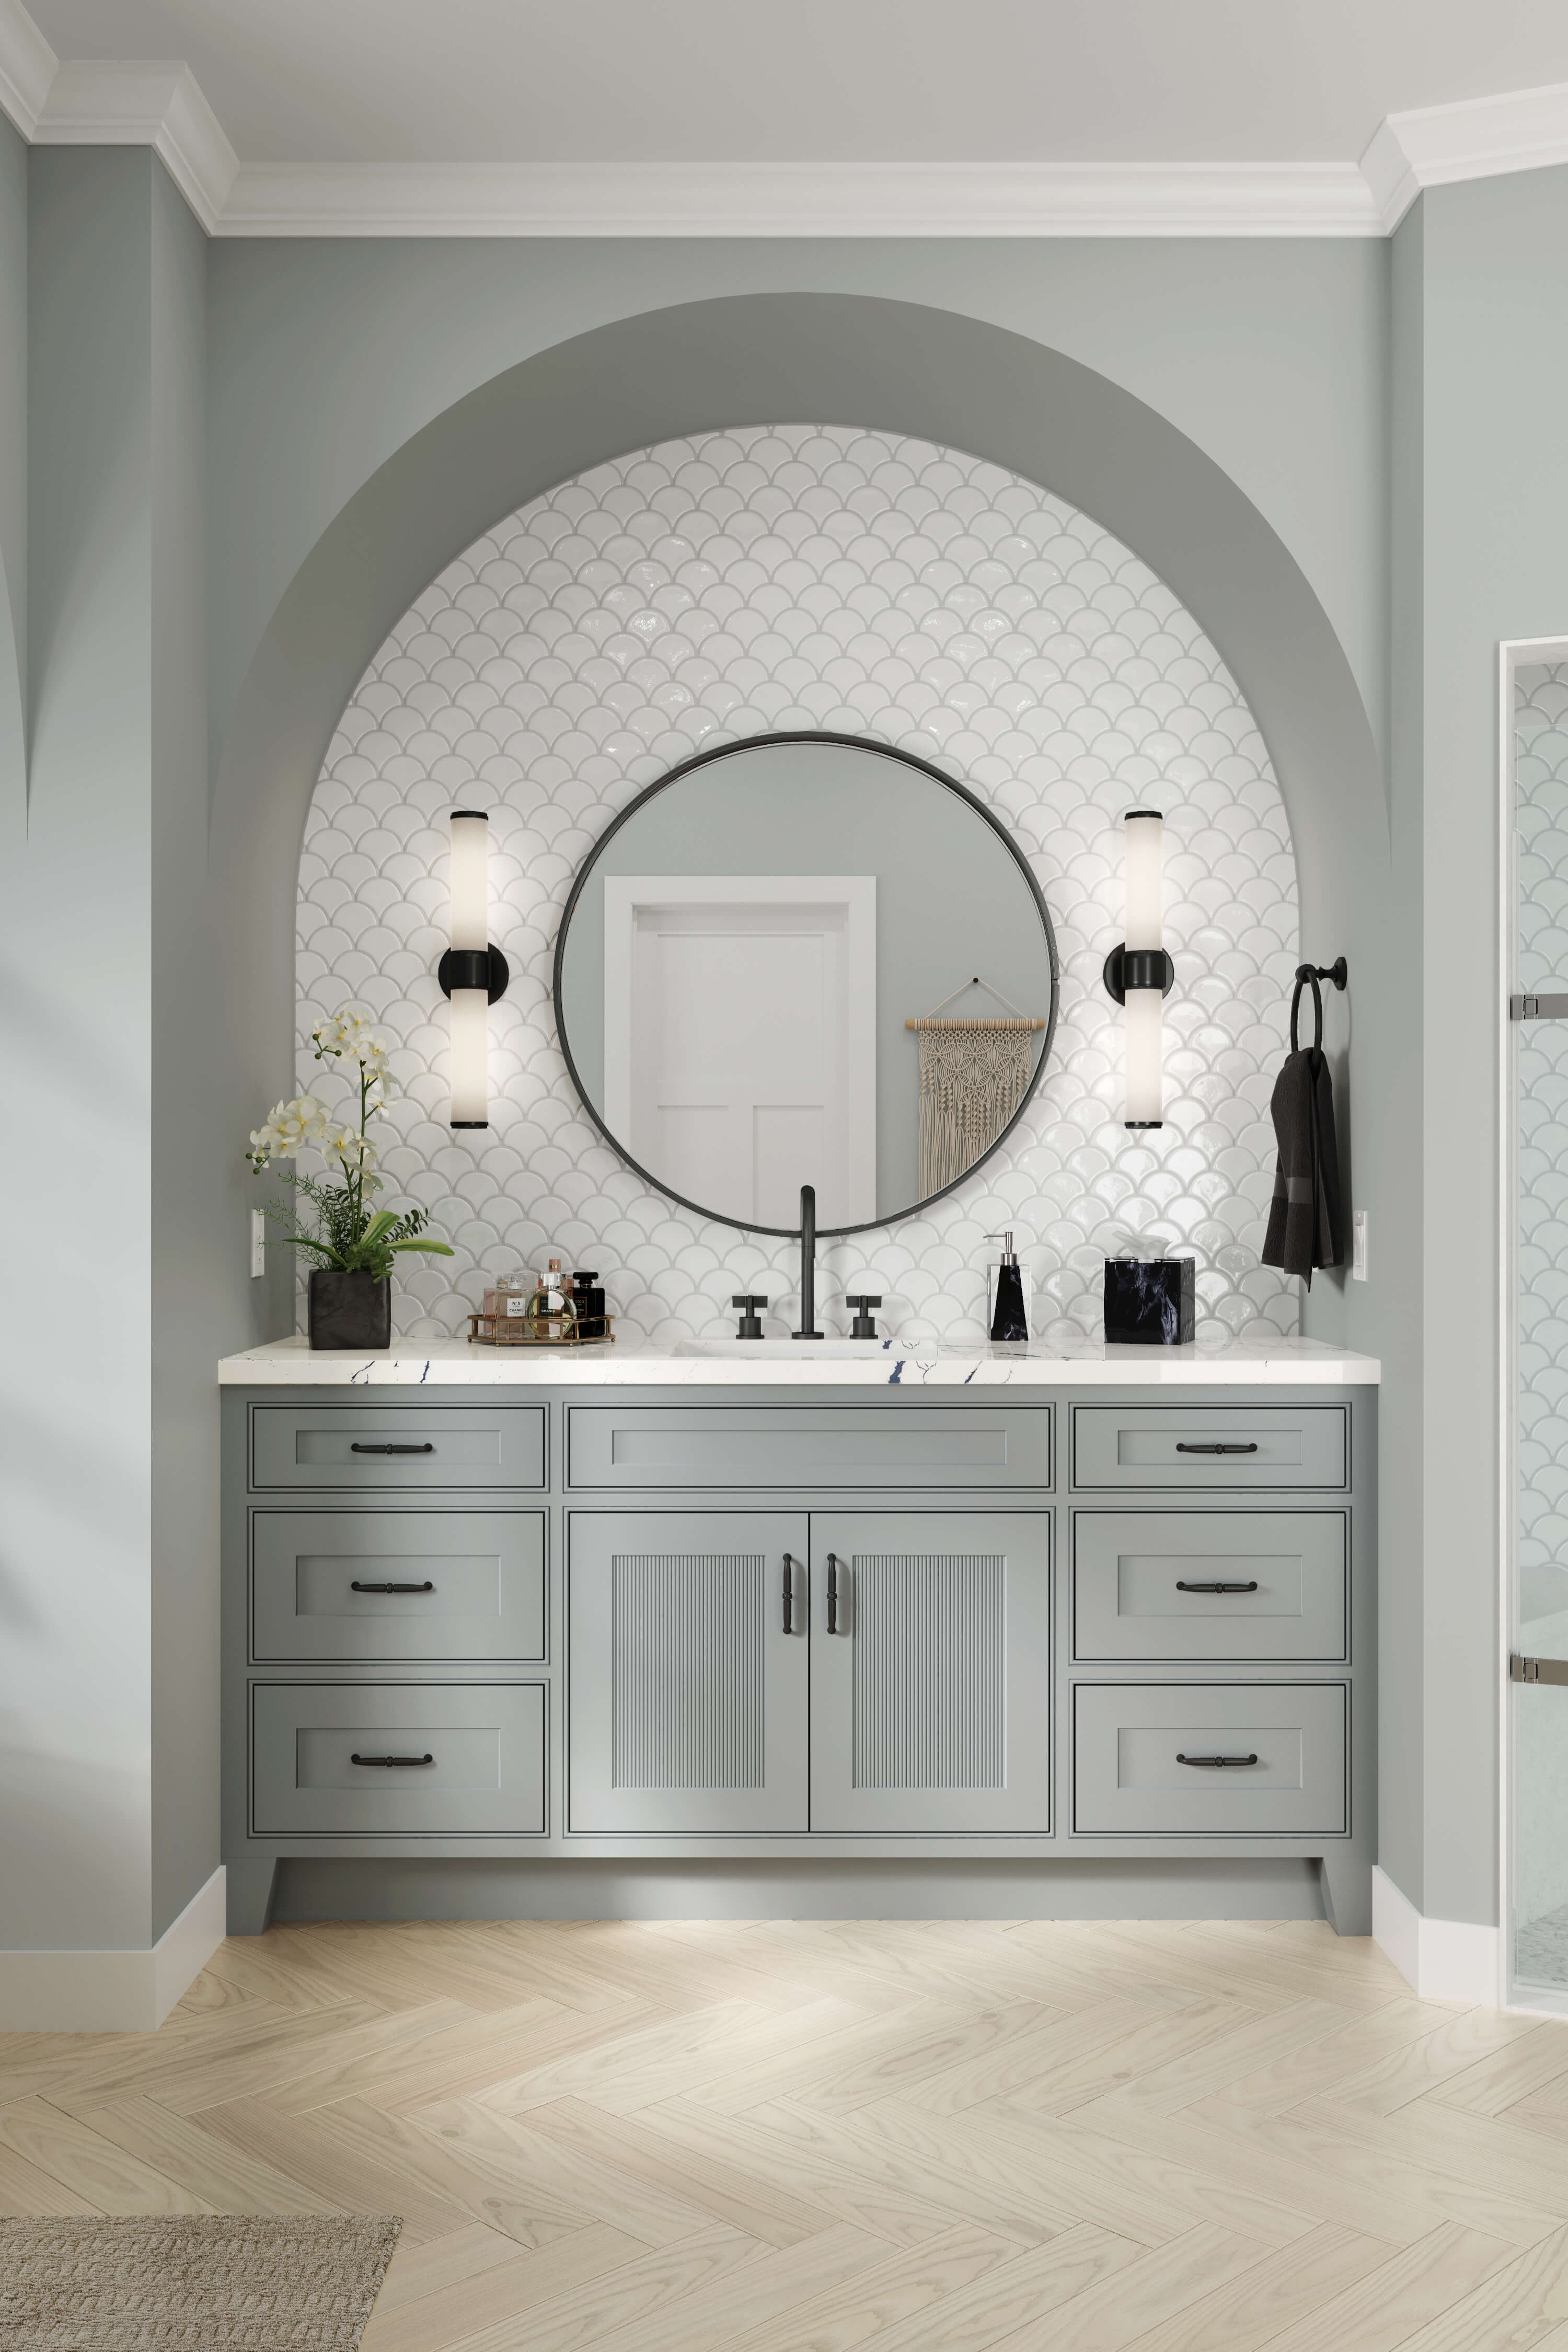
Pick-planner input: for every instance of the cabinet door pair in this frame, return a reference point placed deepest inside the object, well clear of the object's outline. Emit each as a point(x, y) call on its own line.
point(768, 1673)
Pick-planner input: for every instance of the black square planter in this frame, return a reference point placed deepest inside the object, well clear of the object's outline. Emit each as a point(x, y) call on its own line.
point(349, 1310)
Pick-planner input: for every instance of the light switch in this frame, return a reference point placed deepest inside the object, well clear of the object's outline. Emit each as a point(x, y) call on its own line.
point(1358, 1246)
point(258, 1242)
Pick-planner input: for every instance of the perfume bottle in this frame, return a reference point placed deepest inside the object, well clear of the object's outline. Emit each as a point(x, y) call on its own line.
point(551, 1314)
point(588, 1298)
point(506, 1299)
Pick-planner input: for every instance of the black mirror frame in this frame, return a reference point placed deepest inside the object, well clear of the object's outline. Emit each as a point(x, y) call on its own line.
point(729, 751)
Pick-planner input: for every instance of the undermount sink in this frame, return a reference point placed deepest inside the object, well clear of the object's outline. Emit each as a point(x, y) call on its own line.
point(794, 1349)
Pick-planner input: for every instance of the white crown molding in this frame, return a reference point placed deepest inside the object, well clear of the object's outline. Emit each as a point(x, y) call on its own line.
point(28, 67)
point(109, 103)
point(1479, 139)
point(769, 200)
point(114, 104)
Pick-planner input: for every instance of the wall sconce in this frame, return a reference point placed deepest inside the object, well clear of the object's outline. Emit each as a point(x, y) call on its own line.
point(471, 972)
point(1139, 973)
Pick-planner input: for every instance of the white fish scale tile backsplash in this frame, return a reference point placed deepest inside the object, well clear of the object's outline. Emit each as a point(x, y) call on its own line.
point(812, 576)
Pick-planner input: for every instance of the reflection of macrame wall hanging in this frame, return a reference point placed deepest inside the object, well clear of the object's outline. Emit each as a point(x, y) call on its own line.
point(973, 1076)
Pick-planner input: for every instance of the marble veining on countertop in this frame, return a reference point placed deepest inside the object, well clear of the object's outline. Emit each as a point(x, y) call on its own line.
point(1087, 1363)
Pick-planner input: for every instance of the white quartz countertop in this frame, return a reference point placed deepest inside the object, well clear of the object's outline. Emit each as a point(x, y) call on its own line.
point(1085, 1363)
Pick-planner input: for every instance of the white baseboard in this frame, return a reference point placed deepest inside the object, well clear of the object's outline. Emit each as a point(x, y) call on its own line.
point(1441, 1959)
point(113, 1992)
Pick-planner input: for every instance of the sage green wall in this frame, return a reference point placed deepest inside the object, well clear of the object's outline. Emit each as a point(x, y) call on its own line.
point(13, 473)
point(1491, 562)
point(190, 1230)
point(75, 1664)
point(108, 1541)
point(328, 355)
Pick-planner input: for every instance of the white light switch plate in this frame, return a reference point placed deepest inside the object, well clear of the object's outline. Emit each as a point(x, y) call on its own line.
point(1358, 1246)
point(258, 1242)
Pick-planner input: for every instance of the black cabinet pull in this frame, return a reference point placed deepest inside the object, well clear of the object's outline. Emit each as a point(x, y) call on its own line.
point(1215, 1763)
point(357, 1587)
point(355, 1447)
point(1181, 1586)
point(1216, 1447)
point(788, 1594)
point(834, 1626)
point(392, 1760)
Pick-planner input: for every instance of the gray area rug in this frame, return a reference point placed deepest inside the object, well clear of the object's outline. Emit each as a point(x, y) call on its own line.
point(197, 2282)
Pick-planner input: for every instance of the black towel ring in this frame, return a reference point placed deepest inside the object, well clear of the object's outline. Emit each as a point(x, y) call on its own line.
point(1308, 975)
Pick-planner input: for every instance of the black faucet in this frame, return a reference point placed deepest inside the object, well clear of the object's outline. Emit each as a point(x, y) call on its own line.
point(807, 1266)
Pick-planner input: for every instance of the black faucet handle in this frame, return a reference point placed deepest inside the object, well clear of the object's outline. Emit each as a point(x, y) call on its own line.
point(862, 1302)
point(751, 1306)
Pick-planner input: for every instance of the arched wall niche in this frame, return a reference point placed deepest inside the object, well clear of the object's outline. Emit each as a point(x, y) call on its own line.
point(750, 359)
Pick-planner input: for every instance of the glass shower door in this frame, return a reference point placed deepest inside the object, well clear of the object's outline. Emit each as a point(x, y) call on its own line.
point(1538, 1372)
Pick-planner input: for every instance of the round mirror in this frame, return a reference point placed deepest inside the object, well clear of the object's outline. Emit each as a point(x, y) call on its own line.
point(805, 960)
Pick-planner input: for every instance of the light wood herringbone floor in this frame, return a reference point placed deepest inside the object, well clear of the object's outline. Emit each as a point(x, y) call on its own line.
point(768, 2137)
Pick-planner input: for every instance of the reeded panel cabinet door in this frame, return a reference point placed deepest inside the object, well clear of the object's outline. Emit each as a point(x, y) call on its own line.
point(688, 1690)
point(931, 1686)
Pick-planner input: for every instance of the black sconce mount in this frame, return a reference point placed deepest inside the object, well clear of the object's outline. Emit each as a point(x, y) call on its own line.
point(1128, 968)
point(484, 968)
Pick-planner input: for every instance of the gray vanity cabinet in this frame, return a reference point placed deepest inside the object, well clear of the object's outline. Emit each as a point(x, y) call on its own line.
point(619, 1626)
point(690, 1668)
point(931, 1672)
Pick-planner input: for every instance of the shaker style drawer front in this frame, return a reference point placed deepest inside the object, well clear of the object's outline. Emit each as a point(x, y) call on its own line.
point(1225, 1445)
point(825, 1448)
point(357, 1446)
point(1204, 1585)
point(397, 1585)
point(1209, 1759)
point(398, 1759)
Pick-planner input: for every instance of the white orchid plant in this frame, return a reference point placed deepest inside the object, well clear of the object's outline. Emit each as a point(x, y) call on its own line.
point(352, 1235)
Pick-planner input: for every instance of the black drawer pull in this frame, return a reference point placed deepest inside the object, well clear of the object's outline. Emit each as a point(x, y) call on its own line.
point(1181, 1586)
point(1215, 1763)
point(357, 1587)
point(357, 1447)
point(1217, 1447)
point(391, 1761)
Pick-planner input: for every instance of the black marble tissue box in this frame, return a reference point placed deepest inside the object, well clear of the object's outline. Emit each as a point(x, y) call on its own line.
point(1149, 1301)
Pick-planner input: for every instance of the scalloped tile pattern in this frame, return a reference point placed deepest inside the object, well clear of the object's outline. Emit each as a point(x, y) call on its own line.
point(813, 576)
point(1541, 816)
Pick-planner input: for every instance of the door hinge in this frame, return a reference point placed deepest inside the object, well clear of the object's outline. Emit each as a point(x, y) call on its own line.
point(1538, 1008)
point(1538, 1670)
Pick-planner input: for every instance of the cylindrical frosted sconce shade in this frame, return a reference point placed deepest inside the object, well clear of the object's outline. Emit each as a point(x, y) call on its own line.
point(470, 1057)
point(1143, 832)
point(470, 888)
point(470, 879)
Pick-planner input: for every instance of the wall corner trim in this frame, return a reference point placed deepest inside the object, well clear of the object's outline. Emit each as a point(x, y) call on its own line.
point(27, 67)
point(113, 104)
point(1440, 1959)
point(113, 1992)
point(1475, 139)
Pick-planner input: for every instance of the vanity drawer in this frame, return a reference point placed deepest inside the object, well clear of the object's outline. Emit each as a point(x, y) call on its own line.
point(908, 1447)
point(486, 1777)
point(1128, 1739)
point(1225, 1445)
point(392, 1448)
point(1133, 1574)
point(314, 1576)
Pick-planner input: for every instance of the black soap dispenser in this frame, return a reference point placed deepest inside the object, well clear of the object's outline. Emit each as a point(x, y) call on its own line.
point(1008, 1320)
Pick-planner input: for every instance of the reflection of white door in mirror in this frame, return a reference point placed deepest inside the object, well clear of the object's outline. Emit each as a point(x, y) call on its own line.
point(741, 1039)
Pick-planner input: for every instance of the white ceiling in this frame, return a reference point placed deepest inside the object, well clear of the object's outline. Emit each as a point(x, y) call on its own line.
point(400, 82)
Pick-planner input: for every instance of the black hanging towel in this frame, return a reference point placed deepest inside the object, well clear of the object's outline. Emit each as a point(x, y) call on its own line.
point(1304, 1215)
